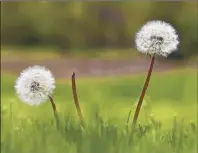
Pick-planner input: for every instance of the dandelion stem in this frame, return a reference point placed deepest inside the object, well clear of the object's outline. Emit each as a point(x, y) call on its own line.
point(143, 91)
point(53, 104)
point(76, 98)
point(54, 110)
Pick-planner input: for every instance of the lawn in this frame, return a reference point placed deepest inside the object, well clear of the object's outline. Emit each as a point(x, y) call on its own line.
point(167, 121)
point(39, 53)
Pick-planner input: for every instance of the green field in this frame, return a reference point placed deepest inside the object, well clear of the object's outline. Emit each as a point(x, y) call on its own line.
point(106, 102)
point(41, 53)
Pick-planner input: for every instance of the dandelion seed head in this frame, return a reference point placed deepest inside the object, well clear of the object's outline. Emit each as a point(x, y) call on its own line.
point(35, 84)
point(157, 38)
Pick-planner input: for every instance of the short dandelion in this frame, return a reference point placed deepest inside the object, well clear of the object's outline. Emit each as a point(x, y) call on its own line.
point(35, 85)
point(155, 38)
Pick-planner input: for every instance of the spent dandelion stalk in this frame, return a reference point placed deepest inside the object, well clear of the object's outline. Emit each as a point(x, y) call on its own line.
point(35, 85)
point(77, 104)
point(154, 38)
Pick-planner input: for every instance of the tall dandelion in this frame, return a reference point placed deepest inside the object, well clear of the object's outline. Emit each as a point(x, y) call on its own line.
point(156, 38)
point(35, 85)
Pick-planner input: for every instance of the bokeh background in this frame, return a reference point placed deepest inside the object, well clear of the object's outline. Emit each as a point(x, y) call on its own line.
point(70, 26)
point(93, 26)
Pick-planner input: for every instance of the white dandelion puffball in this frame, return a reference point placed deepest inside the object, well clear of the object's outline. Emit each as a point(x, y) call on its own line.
point(35, 84)
point(157, 38)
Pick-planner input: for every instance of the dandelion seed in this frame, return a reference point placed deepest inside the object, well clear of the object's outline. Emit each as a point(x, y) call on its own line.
point(157, 38)
point(34, 85)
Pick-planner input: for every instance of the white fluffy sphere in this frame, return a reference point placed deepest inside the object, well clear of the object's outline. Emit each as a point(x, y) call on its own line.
point(34, 85)
point(157, 38)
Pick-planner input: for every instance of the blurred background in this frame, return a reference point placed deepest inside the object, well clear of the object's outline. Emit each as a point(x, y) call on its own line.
point(90, 37)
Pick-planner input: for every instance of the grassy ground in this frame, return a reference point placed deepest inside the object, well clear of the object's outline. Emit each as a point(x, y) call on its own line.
point(39, 53)
point(171, 99)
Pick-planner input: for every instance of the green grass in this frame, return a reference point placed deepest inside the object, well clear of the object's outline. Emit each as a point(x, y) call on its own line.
point(106, 102)
point(39, 53)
